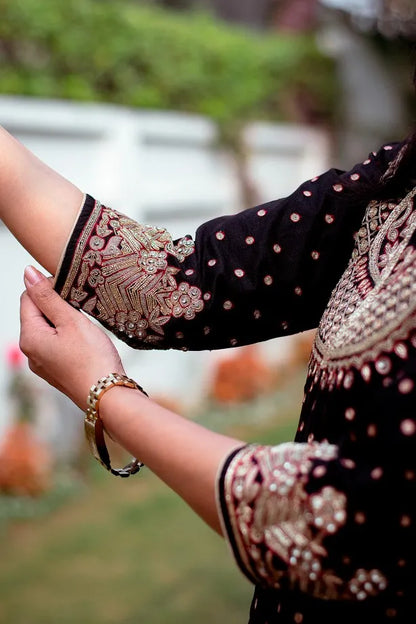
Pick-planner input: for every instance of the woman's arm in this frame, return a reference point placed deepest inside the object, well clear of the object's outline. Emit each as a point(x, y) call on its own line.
point(247, 277)
point(73, 354)
point(36, 204)
point(186, 456)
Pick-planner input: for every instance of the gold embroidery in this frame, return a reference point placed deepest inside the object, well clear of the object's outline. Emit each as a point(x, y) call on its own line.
point(394, 165)
point(121, 274)
point(273, 516)
point(374, 303)
point(79, 250)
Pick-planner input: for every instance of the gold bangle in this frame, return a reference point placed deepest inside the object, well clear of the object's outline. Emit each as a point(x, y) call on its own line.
point(94, 428)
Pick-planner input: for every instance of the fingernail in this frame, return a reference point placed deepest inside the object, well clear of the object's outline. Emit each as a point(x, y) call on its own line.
point(32, 276)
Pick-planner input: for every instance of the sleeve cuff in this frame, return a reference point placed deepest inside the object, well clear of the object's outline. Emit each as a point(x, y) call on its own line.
point(223, 503)
point(68, 265)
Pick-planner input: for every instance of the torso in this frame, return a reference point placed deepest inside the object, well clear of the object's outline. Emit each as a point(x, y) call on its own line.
point(359, 394)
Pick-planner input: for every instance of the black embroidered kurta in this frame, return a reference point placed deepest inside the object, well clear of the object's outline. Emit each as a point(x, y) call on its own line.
point(323, 526)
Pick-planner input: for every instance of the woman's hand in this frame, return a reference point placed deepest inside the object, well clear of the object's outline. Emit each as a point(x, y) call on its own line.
point(73, 353)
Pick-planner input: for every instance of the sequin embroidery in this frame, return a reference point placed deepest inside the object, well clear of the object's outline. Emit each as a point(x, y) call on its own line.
point(121, 272)
point(273, 517)
point(373, 306)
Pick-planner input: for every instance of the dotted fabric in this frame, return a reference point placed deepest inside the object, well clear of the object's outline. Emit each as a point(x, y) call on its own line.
point(323, 526)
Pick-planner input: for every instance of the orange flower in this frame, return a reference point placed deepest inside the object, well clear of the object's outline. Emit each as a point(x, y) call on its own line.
point(241, 377)
point(25, 464)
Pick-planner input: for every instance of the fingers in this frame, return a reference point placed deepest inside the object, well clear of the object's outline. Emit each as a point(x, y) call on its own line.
point(30, 313)
point(32, 324)
point(72, 354)
point(48, 302)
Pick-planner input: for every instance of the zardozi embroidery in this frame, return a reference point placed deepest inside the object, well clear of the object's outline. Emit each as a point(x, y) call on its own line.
point(274, 520)
point(121, 273)
point(373, 306)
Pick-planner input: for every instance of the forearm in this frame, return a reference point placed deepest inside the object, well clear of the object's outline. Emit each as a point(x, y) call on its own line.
point(37, 205)
point(183, 454)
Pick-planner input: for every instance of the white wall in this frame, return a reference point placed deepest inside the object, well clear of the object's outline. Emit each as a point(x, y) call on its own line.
point(160, 168)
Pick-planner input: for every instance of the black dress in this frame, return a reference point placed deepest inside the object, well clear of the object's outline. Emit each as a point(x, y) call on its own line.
point(323, 526)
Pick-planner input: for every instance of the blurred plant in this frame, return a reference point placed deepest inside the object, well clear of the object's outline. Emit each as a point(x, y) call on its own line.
point(396, 18)
point(294, 15)
point(25, 462)
point(152, 58)
point(20, 389)
point(241, 377)
point(302, 347)
point(148, 57)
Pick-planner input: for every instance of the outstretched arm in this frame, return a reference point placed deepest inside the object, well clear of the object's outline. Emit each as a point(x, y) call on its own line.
point(248, 277)
point(36, 204)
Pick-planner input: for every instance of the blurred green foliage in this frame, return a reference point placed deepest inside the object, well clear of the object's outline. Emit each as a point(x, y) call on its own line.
point(123, 52)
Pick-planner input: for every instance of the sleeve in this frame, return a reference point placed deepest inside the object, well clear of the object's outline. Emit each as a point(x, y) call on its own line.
point(333, 520)
point(248, 277)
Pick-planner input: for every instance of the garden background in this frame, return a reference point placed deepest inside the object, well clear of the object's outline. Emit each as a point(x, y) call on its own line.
point(77, 544)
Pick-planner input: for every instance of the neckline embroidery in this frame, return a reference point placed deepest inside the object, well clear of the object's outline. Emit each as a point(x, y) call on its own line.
point(373, 305)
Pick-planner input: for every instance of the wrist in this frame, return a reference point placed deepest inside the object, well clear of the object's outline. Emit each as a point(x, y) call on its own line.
point(95, 427)
point(119, 406)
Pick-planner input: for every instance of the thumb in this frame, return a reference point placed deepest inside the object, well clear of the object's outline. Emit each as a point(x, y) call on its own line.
point(40, 290)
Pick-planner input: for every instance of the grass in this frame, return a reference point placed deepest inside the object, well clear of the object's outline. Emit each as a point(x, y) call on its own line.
point(121, 552)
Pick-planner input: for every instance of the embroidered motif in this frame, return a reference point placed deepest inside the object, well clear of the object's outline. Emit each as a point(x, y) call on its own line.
point(374, 303)
point(121, 273)
point(394, 165)
point(275, 520)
